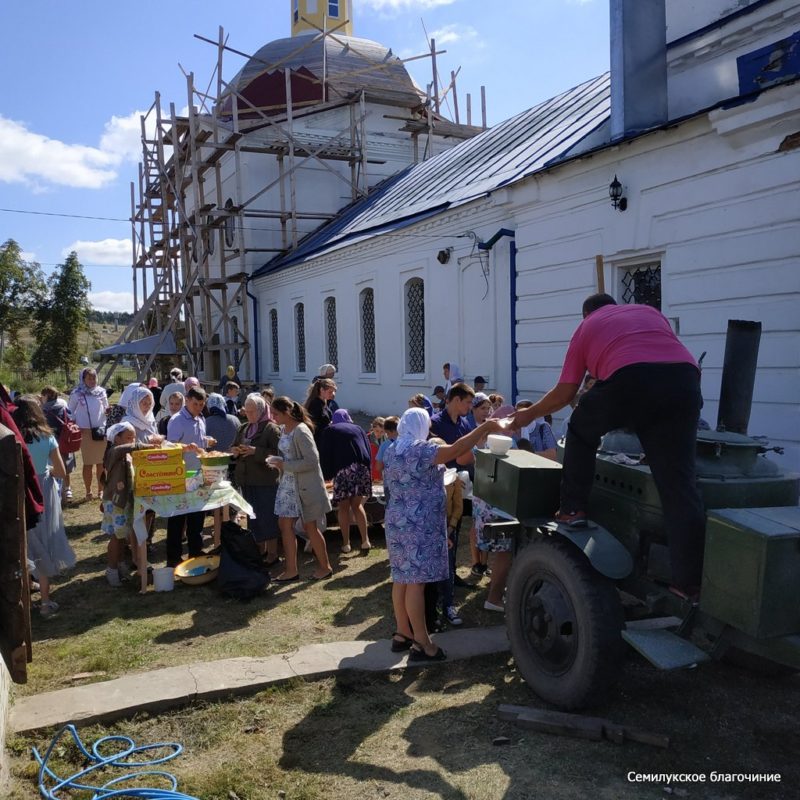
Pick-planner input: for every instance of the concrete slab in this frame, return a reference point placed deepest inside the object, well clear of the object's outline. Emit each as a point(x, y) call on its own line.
point(171, 687)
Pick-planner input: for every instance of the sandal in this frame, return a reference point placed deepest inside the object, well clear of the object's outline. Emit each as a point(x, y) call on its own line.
point(421, 655)
point(401, 646)
point(287, 580)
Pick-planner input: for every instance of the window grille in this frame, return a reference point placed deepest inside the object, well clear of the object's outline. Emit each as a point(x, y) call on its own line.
point(300, 332)
point(415, 326)
point(642, 285)
point(332, 347)
point(333, 8)
point(209, 232)
point(230, 224)
point(367, 330)
point(273, 326)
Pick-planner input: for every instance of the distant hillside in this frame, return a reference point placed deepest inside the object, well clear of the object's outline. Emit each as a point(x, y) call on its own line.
point(110, 317)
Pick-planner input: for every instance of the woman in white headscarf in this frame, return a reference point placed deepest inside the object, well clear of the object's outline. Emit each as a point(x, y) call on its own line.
point(88, 404)
point(416, 531)
point(139, 413)
point(452, 375)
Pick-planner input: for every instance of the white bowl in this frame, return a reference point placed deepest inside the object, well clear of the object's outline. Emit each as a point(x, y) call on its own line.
point(499, 445)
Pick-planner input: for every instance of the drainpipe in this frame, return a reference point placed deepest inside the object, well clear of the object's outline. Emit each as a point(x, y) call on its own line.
point(257, 369)
point(512, 292)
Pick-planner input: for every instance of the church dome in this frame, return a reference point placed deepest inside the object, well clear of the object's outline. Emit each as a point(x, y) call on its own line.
point(349, 65)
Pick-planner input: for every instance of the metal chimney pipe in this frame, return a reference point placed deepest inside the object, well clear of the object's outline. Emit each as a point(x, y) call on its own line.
point(738, 375)
point(638, 65)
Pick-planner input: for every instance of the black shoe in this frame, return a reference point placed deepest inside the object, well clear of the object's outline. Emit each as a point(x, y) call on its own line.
point(421, 655)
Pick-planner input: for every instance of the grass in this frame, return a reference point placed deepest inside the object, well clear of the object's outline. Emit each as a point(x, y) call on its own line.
point(417, 734)
point(111, 632)
point(430, 733)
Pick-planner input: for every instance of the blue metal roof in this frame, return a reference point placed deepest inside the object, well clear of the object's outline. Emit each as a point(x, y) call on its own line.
point(513, 149)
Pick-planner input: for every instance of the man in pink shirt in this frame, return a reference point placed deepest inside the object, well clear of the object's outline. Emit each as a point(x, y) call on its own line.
point(646, 381)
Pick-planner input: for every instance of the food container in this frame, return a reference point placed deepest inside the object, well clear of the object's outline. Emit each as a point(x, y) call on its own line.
point(215, 476)
point(214, 459)
point(194, 480)
point(497, 444)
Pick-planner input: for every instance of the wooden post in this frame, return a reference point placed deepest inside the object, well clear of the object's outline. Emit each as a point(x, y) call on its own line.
point(483, 107)
point(455, 95)
point(15, 613)
point(469, 109)
point(601, 278)
point(435, 76)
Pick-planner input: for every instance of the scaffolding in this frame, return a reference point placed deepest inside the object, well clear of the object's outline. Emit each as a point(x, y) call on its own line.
point(190, 270)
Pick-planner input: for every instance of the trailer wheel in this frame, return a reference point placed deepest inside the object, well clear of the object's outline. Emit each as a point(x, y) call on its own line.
point(564, 621)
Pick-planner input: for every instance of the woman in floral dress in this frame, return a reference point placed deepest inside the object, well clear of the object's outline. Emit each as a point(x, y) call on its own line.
point(416, 532)
point(301, 491)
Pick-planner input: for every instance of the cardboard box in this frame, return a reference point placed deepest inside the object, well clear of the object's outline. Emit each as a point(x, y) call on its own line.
point(154, 480)
point(158, 456)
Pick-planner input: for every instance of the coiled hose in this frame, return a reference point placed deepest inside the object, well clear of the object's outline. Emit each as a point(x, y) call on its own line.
point(97, 760)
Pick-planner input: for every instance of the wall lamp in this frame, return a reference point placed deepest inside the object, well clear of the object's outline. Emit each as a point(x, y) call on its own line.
point(443, 256)
point(615, 193)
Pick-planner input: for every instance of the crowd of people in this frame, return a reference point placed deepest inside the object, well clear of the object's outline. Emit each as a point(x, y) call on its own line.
point(294, 461)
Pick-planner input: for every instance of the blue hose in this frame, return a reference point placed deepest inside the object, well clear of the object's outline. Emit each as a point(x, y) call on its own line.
point(96, 760)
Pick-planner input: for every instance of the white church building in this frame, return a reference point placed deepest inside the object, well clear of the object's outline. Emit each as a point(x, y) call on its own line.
point(673, 180)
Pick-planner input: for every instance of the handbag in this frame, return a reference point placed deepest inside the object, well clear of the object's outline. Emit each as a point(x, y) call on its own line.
point(69, 438)
point(98, 432)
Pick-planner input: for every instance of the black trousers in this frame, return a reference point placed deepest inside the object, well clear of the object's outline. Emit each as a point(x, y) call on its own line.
point(661, 403)
point(194, 534)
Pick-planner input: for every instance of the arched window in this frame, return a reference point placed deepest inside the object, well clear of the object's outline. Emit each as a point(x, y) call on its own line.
point(300, 335)
point(209, 233)
point(296, 11)
point(331, 342)
point(273, 328)
point(415, 326)
point(230, 224)
point(366, 304)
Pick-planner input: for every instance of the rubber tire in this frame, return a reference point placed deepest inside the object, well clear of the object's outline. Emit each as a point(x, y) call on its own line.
point(545, 573)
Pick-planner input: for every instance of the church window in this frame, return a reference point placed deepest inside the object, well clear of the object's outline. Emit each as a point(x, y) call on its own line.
point(642, 284)
point(296, 10)
point(415, 326)
point(367, 308)
point(331, 343)
point(333, 8)
point(230, 224)
point(300, 335)
point(273, 329)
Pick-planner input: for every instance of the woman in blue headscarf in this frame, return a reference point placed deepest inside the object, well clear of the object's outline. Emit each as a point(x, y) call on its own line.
point(219, 424)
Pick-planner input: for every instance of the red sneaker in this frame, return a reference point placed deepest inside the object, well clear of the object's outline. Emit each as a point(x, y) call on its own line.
point(572, 519)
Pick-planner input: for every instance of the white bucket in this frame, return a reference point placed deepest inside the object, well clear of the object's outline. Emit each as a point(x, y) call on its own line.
point(163, 579)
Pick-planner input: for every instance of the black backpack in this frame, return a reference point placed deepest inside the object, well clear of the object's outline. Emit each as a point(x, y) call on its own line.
point(242, 574)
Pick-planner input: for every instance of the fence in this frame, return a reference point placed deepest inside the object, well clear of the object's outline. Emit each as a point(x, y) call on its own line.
point(28, 381)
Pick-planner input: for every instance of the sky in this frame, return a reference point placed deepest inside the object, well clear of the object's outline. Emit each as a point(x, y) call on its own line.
point(76, 77)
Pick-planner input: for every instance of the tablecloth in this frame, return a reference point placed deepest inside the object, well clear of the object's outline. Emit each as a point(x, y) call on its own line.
point(206, 498)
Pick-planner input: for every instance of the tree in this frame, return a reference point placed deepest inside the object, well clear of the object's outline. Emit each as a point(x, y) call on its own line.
point(22, 291)
point(62, 319)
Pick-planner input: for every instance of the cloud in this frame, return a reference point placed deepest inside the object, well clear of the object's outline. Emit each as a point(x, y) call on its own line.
point(122, 137)
point(111, 252)
point(37, 160)
point(403, 5)
point(27, 157)
point(111, 301)
point(451, 34)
